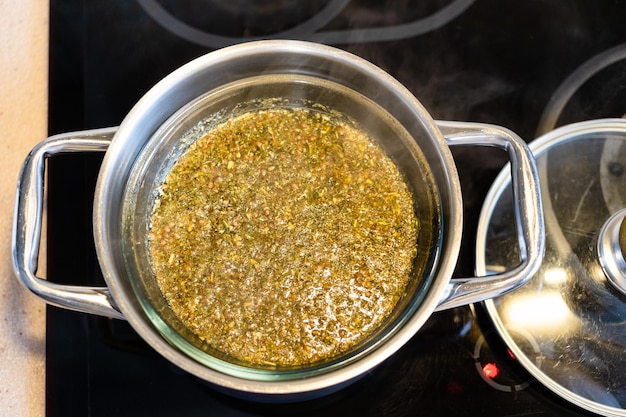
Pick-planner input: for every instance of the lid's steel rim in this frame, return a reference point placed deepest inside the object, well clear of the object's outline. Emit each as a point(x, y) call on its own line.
point(538, 147)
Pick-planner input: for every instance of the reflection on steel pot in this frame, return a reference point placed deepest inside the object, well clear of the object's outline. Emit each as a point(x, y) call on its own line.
point(215, 88)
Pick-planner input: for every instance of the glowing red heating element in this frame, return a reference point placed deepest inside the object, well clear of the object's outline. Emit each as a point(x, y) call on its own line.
point(490, 370)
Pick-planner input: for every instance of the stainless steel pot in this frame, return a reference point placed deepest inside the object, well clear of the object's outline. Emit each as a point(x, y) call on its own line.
point(140, 149)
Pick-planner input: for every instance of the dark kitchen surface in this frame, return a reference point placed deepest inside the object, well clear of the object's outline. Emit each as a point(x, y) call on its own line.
point(502, 62)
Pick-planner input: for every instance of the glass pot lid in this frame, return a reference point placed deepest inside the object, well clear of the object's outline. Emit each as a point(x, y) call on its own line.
point(567, 326)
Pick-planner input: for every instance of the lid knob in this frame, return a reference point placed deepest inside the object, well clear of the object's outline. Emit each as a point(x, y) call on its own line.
point(612, 250)
point(622, 237)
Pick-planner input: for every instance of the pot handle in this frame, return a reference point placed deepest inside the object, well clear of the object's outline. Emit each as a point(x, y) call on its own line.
point(27, 223)
point(528, 214)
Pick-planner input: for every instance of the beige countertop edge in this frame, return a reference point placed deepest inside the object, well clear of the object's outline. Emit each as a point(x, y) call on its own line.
point(23, 123)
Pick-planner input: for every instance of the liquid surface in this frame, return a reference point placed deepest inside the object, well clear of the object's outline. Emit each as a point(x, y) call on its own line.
point(283, 237)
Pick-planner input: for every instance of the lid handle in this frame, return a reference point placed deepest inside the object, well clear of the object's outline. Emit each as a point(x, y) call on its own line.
point(611, 249)
point(621, 239)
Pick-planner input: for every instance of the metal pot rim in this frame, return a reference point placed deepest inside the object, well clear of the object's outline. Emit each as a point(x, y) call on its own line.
point(150, 107)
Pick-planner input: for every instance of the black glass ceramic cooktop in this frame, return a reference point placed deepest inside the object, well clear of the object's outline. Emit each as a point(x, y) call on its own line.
point(529, 66)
